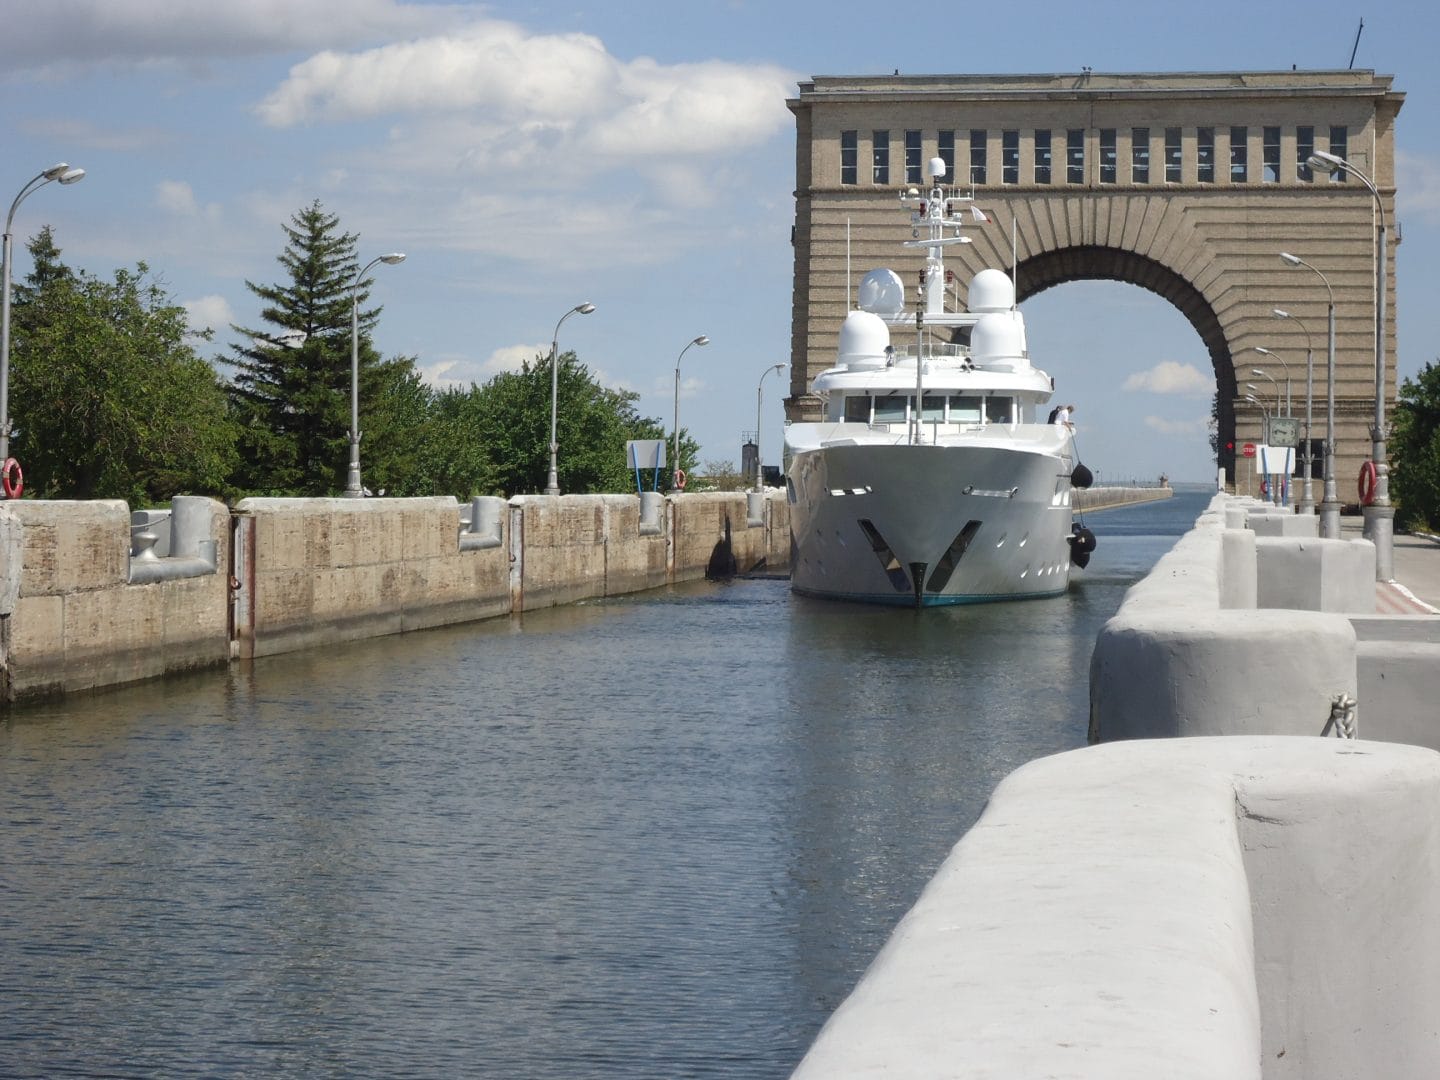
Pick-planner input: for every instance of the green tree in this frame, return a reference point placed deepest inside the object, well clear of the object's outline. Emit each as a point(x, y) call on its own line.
point(593, 423)
point(1415, 451)
point(109, 398)
point(291, 386)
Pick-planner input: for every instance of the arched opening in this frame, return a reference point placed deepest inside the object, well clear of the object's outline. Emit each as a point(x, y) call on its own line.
point(1096, 263)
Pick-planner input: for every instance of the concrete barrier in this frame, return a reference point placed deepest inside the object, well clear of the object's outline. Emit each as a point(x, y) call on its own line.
point(1094, 499)
point(1240, 907)
point(76, 620)
point(286, 574)
point(1234, 633)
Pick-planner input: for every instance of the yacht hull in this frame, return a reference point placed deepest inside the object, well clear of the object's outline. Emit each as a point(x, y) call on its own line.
point(929, 525)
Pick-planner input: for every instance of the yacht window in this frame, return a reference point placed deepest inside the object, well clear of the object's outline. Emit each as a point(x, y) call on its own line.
point(891, 409)
point(934, 409)
point(965, 410)
point(857, 409)
point(997, 410)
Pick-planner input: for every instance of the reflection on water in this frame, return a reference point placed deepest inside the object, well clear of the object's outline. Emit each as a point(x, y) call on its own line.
point(654, 836)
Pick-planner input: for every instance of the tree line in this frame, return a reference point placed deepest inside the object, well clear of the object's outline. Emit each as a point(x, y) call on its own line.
point(111, 397)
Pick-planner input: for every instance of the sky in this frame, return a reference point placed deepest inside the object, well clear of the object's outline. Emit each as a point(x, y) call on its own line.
point(529, 157)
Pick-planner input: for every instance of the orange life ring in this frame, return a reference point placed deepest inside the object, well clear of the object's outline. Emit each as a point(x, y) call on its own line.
point(679, 479)
point(1368, 479)
point(12, 478)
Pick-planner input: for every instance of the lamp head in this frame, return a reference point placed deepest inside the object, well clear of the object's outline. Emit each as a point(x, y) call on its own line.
point(393, 258)
point(1252, 386)
point(1276, 313)
point(585, 308)
point(1324, 162)
point(701, 340)
point(1261, 350)
point(71, 176)
point(1291, 260)
point(54, 172)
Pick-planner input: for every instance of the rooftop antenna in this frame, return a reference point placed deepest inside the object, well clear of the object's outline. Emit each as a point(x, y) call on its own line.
point(1355, 48)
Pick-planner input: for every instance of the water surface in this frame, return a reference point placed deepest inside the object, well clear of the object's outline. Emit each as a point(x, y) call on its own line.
point(656, 836)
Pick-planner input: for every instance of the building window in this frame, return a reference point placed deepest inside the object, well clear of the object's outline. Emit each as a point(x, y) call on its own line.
point(1338, 148)
point(880, 157)
point(1010, 157)
point(1042, 156)
point(945, 151)
point(1107, 156)
point(1205, 155)
point(912, 157)
point(977, 156)
point(1075, 156)
point(849, 152)
point(1172, 155)
point(1139, 155)
point(1304, 147)
point(1270, 148)
point(1239, 167)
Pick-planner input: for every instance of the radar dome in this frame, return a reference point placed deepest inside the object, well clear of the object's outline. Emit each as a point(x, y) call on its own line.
point(882, 292)
point(991, 290)
point(863, 340)
point(997, 339)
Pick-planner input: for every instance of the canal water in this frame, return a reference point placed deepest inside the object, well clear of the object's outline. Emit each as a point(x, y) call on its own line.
point(657, 836)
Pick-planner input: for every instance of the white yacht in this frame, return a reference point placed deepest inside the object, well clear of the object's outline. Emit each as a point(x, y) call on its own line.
point(934, 477)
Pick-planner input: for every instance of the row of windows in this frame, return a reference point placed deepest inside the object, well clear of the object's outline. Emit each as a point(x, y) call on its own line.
point(950, 409)
point(1207, 164)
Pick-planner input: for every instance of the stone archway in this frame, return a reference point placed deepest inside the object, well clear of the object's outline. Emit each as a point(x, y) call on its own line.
point(1189, 185)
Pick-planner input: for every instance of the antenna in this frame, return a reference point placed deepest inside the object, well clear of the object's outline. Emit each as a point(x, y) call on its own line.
point(1355, 48)
point(1014, 264)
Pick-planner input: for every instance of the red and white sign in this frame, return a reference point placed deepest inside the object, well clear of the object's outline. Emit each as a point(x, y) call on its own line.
point(1248, 449)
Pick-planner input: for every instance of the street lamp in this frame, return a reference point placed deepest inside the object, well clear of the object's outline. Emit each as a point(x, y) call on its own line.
point(1274, 383)
point(759, 390)
point(1330, 501)
point(1276, 356)
point(1379, 515)
point(353, 490)
point(1264, 412)
point(66, 175)
point(1307, 497)
point(675, 468)
point(552, 482)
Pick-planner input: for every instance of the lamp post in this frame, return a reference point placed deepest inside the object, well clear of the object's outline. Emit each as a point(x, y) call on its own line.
point(1276, 356)
point(759, 391)
point(66, 175)
point(552, 481)
point(1380, 514)
point(1330, 501)
point(1265, 413)
point(675, 466)
point(1307, 497)
point(353, 489)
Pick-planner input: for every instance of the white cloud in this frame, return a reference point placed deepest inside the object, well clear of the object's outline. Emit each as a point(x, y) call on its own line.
point(212, 312)
point(511, 358)
point(1178, 427)
point(520, 96)
point(178, 198)
point(1171, 377)
point(80, 33)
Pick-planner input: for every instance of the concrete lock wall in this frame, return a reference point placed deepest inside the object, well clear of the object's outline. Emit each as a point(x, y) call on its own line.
point(1255, 907)
point(1251, 625)
point(79, 616)
point(80, 611)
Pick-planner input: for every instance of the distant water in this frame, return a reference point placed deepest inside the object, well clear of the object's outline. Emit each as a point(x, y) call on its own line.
point(658, 836)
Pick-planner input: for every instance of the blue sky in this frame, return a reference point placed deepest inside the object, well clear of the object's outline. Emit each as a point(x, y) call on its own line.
point(531, 156)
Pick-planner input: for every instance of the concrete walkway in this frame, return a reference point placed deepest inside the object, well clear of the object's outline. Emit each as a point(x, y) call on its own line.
point(1416, 588)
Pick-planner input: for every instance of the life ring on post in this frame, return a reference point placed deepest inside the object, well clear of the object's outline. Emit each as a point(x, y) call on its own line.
point(1368, 479)
point(679, 479)
point(12, 478)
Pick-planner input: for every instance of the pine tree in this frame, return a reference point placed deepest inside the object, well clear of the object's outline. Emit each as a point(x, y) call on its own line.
point(291, 388)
